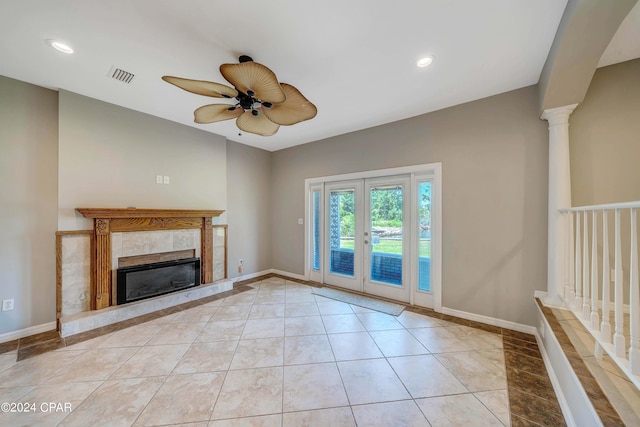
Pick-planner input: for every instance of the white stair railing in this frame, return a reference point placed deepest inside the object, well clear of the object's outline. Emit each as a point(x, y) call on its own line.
point(588, 293)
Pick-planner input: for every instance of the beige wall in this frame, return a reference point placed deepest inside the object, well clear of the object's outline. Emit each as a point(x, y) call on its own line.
point(584, 32)
point(249, 216)
point(604, 135)
point(494, 167)
point(109, 156)
point(28, 203)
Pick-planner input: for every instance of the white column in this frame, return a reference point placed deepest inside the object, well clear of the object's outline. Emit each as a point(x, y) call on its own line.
point(559, 196)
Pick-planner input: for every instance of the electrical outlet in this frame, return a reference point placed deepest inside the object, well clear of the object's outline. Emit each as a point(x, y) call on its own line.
point(7, 304)
point(166, 179)
point(158, 179)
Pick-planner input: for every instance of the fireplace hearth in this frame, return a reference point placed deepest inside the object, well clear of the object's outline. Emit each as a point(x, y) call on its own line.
point(143, 281)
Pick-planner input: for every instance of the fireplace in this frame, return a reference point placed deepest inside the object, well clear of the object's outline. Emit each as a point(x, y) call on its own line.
point(143, 281)
point(108, 221)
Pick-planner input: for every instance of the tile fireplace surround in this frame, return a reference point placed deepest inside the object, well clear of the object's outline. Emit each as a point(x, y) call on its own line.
point(88, 259)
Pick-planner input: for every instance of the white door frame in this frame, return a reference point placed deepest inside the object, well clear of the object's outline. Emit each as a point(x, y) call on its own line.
point(431, 299)
point(315, 275)
point(431, 171)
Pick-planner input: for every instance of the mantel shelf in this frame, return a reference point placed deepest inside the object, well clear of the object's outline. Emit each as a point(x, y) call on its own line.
point(105, 213)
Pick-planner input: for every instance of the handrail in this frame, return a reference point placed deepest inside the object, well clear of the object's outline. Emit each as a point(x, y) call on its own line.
point(608, 206)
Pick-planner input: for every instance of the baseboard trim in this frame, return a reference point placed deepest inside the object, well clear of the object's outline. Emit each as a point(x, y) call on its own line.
point(490, 320)
point(249, 276)
point(32, 330)
point(286, 273)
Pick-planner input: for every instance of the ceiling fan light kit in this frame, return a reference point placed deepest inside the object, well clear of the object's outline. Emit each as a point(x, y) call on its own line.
point(262, 103)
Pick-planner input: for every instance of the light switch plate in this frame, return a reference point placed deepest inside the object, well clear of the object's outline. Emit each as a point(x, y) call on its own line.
point(166, 179)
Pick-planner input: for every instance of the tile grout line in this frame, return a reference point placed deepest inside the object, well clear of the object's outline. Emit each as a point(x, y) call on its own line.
point(326, 334)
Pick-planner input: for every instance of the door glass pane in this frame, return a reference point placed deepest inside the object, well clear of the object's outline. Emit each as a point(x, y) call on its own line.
point(315, 200)
point(341, 231)
point(386, 235)
point(424, 237)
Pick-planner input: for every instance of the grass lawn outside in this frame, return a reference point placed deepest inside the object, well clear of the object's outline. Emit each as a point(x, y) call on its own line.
point(391, 246)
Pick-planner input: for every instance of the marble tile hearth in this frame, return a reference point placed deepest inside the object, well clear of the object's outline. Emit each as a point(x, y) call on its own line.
point(89, 320)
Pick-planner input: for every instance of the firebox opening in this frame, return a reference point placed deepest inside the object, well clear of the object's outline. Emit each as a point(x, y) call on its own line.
point(149, 280)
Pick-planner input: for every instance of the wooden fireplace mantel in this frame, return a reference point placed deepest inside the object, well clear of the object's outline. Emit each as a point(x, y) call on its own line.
point(113, 220)
point(147, 213)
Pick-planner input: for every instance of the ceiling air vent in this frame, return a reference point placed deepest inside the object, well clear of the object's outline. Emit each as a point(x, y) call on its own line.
point(121, 75)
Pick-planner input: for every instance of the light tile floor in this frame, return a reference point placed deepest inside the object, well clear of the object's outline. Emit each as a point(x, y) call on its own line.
point(276, 355)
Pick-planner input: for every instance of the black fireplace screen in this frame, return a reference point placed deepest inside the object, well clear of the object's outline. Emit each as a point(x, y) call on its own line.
point(148, 280)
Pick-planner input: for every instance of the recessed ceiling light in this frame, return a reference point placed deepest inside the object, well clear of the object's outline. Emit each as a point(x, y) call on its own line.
point(425, 62)
point(58, 45)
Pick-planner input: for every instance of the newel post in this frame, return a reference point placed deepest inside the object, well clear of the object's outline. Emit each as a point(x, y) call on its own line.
point(559, 197)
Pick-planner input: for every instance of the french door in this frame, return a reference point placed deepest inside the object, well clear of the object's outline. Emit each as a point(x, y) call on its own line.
point(343, 234)
point(386, 246)
point(366, 227)
point(377, 232)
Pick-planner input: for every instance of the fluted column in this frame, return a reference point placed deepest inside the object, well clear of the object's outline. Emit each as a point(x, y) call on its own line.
point(206, 251)
point(103, 263)
point(559, 197)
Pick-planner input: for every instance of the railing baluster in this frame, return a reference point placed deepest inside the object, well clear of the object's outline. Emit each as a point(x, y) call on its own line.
point(572, 280)
point(585, 267)
point(595, 318)
point(599, 300)
point(618, 336)
point(578, 301)
point(634, 300)
point(605, 327)
point(567, 262)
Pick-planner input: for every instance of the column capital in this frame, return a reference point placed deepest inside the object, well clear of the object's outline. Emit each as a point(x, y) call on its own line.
point(558, 115)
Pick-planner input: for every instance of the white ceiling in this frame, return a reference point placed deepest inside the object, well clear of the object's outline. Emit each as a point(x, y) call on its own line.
point(355, 60)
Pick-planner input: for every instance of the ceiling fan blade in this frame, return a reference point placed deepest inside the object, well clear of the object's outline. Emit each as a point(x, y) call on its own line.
point(202, 87)
point(260, 124)
point(294, 110)
point(216, 113)
point(256, 78)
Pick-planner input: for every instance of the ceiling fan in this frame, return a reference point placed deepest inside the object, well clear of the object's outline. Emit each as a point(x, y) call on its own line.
point(262, 103)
